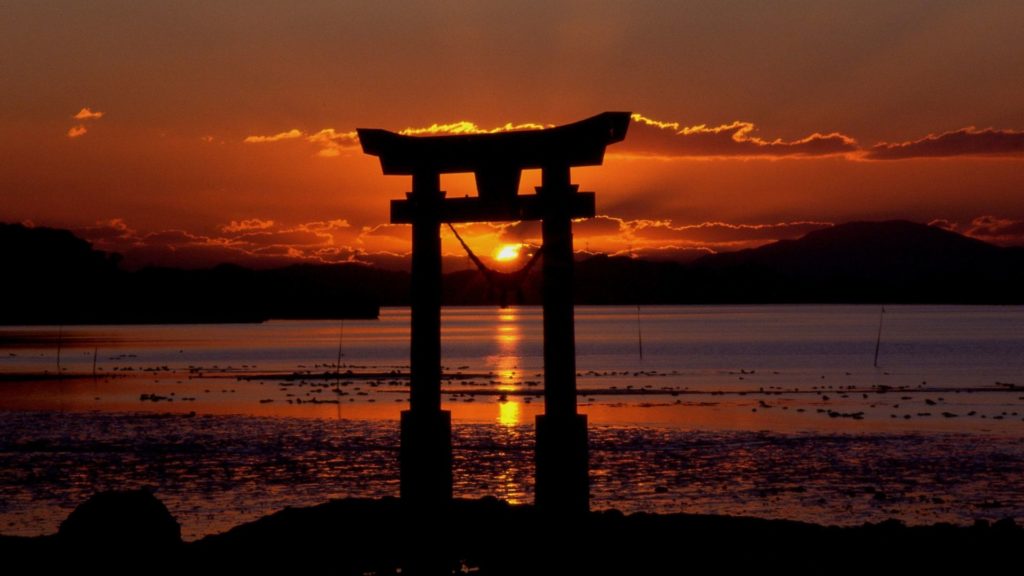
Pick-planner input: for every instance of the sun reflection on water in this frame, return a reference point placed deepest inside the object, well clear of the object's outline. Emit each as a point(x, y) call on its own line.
point(509, 413)
point(505, 365)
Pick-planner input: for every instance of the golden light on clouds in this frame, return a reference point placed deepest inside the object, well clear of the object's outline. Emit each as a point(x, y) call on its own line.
point(84, 115)
point(87, 114)
point(467, 127)
point(287, 135)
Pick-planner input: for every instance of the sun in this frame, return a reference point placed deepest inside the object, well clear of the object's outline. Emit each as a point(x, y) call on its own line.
point(508, 252)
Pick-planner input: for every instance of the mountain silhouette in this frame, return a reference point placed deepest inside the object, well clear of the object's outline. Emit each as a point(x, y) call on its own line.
point(894, 261)
point(53, 277)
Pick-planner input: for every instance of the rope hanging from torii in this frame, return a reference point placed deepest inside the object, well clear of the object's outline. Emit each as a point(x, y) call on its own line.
point(501, 282)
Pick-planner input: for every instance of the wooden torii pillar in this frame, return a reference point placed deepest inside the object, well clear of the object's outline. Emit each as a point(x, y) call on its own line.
point(497, 160)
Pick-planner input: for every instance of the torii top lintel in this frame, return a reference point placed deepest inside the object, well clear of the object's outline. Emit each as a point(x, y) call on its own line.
point(578, 144)
point(497, 160)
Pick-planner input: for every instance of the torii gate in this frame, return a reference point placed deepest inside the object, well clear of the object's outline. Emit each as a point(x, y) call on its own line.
point(497, 160)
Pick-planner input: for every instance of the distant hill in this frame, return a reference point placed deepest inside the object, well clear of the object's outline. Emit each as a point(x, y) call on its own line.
point(895, 261)
point(53, 277)
point(859, 262)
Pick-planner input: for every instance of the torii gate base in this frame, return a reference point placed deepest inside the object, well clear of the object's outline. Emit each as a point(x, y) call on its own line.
point(562, 482)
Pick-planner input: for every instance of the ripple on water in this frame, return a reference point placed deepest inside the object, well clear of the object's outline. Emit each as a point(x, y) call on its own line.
point(214, 472)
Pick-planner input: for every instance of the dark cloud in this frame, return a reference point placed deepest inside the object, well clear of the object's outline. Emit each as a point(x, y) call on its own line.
point(530, 231)
point(652, 137)
point(196, 256)
point(721, 232)
point(393, 231)
point(108, 231)
point(997, 230)
point(387, 260)
point(599, 226)
point(258, 243)
point(261, 243)
point(613, 235)
point(964, 142)
point(173, 238)
point(521, 231)
point(944, 224)
point(667, 253)
point(247, 225)
point(290, 237)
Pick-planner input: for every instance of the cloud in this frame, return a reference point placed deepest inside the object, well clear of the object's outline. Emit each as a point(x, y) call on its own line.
point(175, 238)
point(245, 225)
point(663, 239)
point(666, 253)
point(992, 229)
point(944, 224)
point(479, 228)
point(330, 141)
point(103, 231)
point(325, 225)
point(964, 142)
point(83, 115)
point(467, 127)
point(87, 114)
point(601, 225)
point(669, 139)
point(997, 230)
point(251, 242)
point(401, 232)
point(521, 231)
point(722, 233)
point(289, 135)
point(291, 237)
point(530, 230)
point(257, 242)
point(333, 143)
point(739, 139)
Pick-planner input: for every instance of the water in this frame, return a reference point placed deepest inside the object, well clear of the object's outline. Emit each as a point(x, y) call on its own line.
point(773, 411)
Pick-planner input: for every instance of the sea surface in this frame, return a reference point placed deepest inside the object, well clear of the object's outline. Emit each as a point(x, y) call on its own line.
point(769, 411)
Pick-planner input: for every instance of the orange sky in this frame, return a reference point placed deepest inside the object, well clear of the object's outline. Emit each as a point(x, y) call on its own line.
point(191, 134)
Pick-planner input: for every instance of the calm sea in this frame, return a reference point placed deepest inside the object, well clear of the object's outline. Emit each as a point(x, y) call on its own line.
point(772, 411)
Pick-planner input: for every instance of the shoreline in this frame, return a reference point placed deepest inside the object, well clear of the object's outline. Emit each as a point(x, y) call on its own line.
point(490, 536)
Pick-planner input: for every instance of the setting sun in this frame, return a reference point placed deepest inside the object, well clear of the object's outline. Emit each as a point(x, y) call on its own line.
point(508, 252)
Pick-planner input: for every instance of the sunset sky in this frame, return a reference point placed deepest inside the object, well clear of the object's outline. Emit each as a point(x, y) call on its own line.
point(192, 133)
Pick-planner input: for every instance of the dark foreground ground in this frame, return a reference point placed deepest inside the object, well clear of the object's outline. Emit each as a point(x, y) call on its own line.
point(132, 532)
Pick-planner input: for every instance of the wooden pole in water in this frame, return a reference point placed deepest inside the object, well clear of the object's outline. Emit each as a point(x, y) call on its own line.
point(60, 337)
point(878, 340)
point(341, 343)
point(639, 333)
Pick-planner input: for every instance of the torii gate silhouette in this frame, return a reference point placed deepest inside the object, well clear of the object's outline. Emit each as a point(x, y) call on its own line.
point(497, 160)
